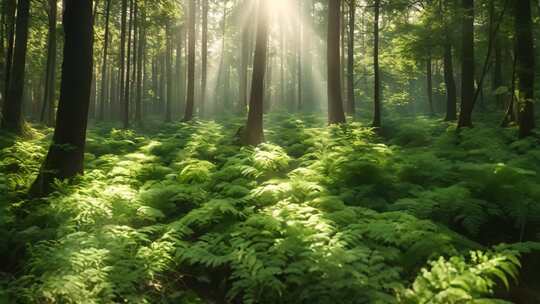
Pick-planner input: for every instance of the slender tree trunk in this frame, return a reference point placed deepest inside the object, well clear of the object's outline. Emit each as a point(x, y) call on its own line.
point(10, 29)
point(299, 55)
point(127, 86)
point(243, 73)
point(180, 70)
point(253, 133)
point(377, 85)
point(104, 77)
point(47, 111)
point(12, 119)
point(525, 67)
point(467, 68)
point(169, 71)
point(191, 63)
point(451, 96)
point(335, 102)
point(204, 55)
point(66, 154)
point(498, 70)
point(351, 104)
point(123, 31)
point(308, 58)
point(429, 84)
point(3, 13)
point(140, 66)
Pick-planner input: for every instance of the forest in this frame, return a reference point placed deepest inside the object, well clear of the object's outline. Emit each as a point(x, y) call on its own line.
point(269, 151)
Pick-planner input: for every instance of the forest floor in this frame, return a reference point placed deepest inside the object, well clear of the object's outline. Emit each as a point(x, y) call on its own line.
point(182, 214)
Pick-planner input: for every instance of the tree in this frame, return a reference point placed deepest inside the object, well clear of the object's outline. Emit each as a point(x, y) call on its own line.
point(12, 119)
point(335, 102)
point(190, 99)
point(377, 75)
point(253, 134)
point(101, 115)
point(50, 73)
point(10, 6)
point(448, 67)
point(123, 30)
point(351, 105)
point(66, 153)
point(204, 55)
point(525, 65)
point(467, 65)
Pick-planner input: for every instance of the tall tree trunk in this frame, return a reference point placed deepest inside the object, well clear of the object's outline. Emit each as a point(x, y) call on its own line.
point(12, 119)
point(10, 32)
point(169, 76)
point(204, 55)
point(123, 31)
point(127, 86)
point(451, 96)
point(66, 154)
point(47, 111)
point(335, 102)
point(104, 77)
point(180, 70)
point(498, 70)
point(351, 104)
point(243, 73)
point(299, 55)
point(3, 15)
point(467, 67)
point(525, 67)
point(254, 133)
point(190, 101)
point(308, 57)
point(140, 66)
point(377, 85)
point(429, 84)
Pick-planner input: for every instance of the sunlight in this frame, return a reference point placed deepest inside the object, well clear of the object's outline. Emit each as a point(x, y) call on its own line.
point(280, 6)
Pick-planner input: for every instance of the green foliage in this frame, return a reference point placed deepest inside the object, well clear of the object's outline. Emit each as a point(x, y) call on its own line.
point(329, 214)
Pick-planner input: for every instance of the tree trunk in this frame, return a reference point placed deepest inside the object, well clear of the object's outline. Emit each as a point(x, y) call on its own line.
point(190, 101)
point(50, 73)
point(254, 133)
point(180, 70)
point(467, 67)
point(169, 71)
point(12, 119)
point(121, 80)
point(351, 104)
point(204, 55)
point(377, 85)
point(243, 73)
point(429, 84)
point(335, 102)
point(127, 86)
point(498, 70)
point(140, 66)
point(10, 29)
point(451, 97)
point(66, 154)
point(101, 115)
point(525, 66)
point(299, 57)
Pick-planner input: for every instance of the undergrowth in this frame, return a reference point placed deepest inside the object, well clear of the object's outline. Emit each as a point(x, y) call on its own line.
point(316, 215)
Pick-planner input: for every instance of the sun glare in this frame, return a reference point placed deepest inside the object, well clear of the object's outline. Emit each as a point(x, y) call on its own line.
point(279, 6)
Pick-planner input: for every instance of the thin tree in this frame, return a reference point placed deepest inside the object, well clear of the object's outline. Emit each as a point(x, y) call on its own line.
point(10, 6)
point(123, 32)
point(253, 134)
point(140, 65)
point(467, 65)
point(351, 104)
point(377, 72)
point(204, 55)
point(525, 66)
point(12, 119)
point(169, 72)
point(66, 153)
point(335, 101)
point(50, 73)
point(190, 99)
point(104, 77)
point(127, 87)
point(448, 67)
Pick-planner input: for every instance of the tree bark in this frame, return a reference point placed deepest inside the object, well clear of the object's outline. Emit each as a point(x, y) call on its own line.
point(351, 104)
point(169, 76)
point(140, 66)
point(467, 67)
point(525, 66)
point(335, 101)
point(451, 96)
point(429, 84)
point(204, 55)
point(101, 115)
point(190, 99)
point(377, 76)
point(10, 32)
point(254, 133)
point(123, 29)
point(127, 86)
point(66, 154)
point(12, 119)
point(50, 73)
